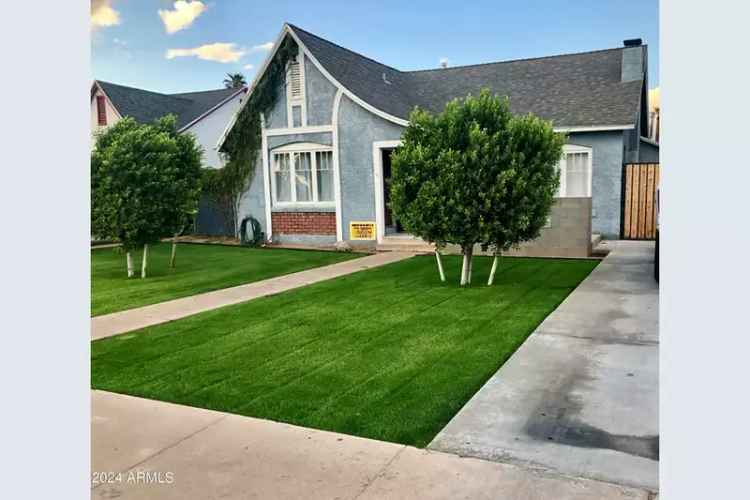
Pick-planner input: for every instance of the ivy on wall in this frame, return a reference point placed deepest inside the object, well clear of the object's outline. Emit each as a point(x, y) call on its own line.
point(243, 143)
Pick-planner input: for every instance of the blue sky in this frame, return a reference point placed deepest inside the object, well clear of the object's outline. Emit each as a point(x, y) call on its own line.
point(130, 39)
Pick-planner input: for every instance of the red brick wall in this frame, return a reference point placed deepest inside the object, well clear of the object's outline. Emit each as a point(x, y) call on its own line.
point(304, 222)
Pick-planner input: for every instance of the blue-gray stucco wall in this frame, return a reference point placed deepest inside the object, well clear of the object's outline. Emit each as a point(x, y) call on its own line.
point(319, 94)
point(649, 153)
point(276, 118)
point(253, 201)
point(632, 63)
point(606, 179)
point(358, 129)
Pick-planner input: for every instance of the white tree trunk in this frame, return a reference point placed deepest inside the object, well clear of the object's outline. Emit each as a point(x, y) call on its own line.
point(440, 265)
point(492, 272)
point(174, 252)
point(464, 268)
point(235, 216)
point(471, 265)
point(144, 263)
point(129, 258)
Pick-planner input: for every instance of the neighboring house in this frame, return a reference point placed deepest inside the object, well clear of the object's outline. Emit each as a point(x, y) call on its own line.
point(322, 176)
point(204, 114)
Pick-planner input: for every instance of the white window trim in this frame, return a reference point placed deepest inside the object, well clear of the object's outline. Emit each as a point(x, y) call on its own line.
point(313, 129)
point(301, 147)
point(574, 148)
point(336, 172)
point(377, 165)
point(300, 101)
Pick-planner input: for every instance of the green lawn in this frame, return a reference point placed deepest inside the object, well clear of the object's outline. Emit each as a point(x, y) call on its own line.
point(199, 268)
point(388, 353)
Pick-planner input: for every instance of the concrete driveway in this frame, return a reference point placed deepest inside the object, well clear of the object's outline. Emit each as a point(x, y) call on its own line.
point(580, 397)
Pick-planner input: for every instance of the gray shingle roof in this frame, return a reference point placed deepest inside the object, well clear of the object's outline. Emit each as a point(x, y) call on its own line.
point(582, 89)
point(145, 106)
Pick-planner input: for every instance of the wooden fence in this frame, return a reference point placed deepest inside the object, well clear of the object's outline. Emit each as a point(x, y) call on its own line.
point(639, 184)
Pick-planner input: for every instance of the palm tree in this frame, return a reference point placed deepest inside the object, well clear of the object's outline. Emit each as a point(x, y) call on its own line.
point(234, 81)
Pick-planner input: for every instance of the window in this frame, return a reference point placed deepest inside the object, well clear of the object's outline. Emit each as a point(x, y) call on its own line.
point(295, 81)
point(295, 93)
point(324, 173)
point(101, 110)
point(302, 174)
point(575, 172)
point(282, 177)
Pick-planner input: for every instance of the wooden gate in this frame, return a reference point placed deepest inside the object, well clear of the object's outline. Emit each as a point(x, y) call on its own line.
point(639, 184)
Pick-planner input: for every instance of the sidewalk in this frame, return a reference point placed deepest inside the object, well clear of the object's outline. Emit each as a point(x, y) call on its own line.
point(580, 397)
point(141, 317)
point(198, 453)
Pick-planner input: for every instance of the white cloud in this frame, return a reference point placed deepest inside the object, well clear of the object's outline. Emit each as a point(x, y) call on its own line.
point(220, 52)
point(103, 15)
point(444, 62)
point(248, 66)
point(263, 47)
point(183, 15)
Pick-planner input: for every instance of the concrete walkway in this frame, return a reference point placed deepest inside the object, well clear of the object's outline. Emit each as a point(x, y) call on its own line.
point(580, 397)
point(168, 451)
point(141, 317)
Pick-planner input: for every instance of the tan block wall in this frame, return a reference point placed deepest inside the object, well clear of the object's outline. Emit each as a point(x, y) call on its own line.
point(569, 234)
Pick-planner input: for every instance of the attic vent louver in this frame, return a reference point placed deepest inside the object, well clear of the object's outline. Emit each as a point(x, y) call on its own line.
point(295, 80)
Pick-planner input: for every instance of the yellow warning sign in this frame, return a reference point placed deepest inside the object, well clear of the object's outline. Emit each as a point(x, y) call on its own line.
point(361, 230)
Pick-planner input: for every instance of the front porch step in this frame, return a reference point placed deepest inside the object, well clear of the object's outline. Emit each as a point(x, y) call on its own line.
point(595, 239)
point(403, 244)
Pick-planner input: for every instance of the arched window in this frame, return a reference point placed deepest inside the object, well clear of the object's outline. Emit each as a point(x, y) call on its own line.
point(302, 174)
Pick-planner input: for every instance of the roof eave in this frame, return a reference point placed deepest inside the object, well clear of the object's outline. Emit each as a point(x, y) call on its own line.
point(212, 109)
point(593, 128)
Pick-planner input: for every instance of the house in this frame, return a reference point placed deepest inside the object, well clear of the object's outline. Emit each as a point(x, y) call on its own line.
point(204, 114)
point(323, 170)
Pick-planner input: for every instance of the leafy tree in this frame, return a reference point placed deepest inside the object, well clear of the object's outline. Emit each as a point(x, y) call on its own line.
point(145, 181)
point(234, 80)
point(528, 178)
point(475, 174)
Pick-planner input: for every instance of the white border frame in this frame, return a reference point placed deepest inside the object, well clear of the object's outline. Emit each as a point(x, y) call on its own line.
point(377, 178)
point(575, 148)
